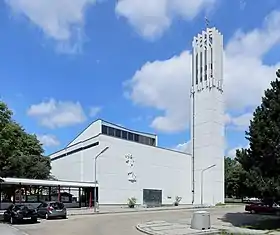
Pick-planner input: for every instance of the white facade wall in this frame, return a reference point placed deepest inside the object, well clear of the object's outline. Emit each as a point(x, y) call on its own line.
point(154, 168)
point(92, 130)
point(208, 124)
point(76, 166)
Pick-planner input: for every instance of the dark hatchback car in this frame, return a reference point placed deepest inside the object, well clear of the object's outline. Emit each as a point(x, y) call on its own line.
point(19, 213)
point(50, 210)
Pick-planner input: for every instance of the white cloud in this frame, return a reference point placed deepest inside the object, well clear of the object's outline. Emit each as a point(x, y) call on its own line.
point(48, 140)
point(159, 85)
point(165, 85)
point(185, 147)
point(94, 111)
point(152, 17)
point(61, 20)
point(232, 152)
point(54, 113)
point(240, 122)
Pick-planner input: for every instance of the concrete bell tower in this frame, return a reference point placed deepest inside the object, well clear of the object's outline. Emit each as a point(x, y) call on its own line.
point(207, 125)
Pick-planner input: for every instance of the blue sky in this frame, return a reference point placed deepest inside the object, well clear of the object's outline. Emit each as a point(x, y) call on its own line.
point(66, 63)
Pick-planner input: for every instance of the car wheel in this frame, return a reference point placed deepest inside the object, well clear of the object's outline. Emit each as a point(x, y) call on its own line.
point(34, 220)
point(47, 216)
point(253, 212)
point(64, 217)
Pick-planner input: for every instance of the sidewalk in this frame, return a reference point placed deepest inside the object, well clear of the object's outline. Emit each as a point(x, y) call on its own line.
point(166, 228)
point(6, 229)
point(125, 209)
point(183, 228)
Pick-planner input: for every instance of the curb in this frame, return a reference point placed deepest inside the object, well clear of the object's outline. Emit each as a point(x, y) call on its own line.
point(150, 209)
point(143, 231)
point(135, 211)
point(196, 233)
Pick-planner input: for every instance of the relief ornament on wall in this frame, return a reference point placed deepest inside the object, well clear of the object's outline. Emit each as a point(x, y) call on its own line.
point(129, 160)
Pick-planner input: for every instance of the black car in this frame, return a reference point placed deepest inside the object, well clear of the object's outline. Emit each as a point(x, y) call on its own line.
point(19, 213)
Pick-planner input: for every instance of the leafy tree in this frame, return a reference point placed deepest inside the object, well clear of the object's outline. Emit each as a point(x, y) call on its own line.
point(20, 152)
point(262, 159)
point(235, 179)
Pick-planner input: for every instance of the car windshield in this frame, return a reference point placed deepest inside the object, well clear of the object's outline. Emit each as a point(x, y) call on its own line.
point(57, 205)
point(24, 207)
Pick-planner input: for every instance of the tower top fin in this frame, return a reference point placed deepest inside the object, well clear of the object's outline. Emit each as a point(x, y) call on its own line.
point(207, 22)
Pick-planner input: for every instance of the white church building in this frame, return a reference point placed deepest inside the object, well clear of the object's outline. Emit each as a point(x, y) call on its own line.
point(127, 163)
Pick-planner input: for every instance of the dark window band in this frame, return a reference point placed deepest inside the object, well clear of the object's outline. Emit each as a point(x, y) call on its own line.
point(122, 134)
point(75, 151)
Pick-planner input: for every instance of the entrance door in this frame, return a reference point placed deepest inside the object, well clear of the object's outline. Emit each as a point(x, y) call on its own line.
point(152, 197)
point(85, 198)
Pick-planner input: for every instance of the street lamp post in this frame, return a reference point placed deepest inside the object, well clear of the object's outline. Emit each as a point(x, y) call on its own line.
point(95, 174)
point(201, 183)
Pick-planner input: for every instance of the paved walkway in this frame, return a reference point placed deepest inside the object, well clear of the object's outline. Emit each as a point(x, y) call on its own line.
point(125, 209)
point(183, 228)
point(166, 228)
point(6, 229)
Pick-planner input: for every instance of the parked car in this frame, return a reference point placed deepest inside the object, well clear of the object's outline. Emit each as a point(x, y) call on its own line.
point(263, 208)
point(53, 209)
point(19, 213)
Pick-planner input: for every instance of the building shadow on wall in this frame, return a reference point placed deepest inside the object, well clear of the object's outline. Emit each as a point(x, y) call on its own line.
point(252, 221)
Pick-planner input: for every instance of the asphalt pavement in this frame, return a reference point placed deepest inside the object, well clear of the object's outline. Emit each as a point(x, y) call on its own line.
point(117, 224)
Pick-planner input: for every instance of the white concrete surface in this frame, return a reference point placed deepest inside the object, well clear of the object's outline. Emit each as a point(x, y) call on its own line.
point(6, 229)
point(207, 127)
point(153, 168)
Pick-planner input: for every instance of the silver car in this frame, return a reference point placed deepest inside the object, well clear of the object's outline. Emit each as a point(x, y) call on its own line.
point(50, 210)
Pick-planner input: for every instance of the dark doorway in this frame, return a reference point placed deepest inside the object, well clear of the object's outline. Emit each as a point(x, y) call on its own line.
point(87, 194)
point(152, 197)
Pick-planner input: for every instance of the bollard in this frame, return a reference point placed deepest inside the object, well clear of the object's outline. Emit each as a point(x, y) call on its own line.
point(201, 220)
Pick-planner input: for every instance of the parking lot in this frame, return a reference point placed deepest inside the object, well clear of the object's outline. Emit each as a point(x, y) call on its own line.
point(117, 224)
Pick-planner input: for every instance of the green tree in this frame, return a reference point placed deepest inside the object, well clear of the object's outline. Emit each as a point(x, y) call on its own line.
point(20, 152)
point(235, 179)
point(262, 159)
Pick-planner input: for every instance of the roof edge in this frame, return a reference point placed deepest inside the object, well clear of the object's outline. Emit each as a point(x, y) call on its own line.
point(102, 120)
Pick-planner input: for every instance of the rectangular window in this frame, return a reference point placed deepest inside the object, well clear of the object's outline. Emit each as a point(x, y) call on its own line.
point(105, 130)
point(130, 136)
point(147, 140)
point(210, 40)
point(152, 142)
point(196, 68)
point(141, 139)
point(118, 133)
point(136, 138)
point(201, 66)
point(205, 64)
point(111, 131)
point(211, 62)
point(124, 135)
